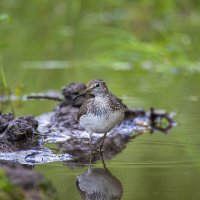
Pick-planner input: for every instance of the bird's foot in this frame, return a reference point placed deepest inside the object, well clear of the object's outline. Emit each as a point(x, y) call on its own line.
point(97, 151)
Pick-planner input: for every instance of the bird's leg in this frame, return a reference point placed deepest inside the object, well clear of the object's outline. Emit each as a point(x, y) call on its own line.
point(90, 164)
point(102, 141)
point(102, 159)
point(91, 151)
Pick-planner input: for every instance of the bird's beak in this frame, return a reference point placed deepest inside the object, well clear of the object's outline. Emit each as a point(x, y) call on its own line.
point(84, 92)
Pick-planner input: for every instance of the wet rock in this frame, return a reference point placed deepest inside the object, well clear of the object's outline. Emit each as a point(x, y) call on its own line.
point(70, 91)
point(7, 146)
point(66, 118)
point(79, 148)
point(4, 121)
point(17, 133)
point(134, 112)
point(21, 128)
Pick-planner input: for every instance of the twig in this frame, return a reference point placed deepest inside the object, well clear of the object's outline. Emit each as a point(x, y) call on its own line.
point(44, 97)
point(162, 115)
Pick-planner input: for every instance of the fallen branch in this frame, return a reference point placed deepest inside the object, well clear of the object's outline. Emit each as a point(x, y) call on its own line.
point(156, 119)
point(44, 97)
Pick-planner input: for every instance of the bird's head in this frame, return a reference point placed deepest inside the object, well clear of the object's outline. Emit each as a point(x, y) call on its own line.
point(96, 88)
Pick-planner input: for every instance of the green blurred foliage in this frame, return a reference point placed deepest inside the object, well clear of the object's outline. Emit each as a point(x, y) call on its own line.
point(10, 191)
point(88, 32)
point(7, 190)
point(103, 36)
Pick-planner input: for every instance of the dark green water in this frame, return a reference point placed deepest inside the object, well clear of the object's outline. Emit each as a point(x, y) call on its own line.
point(154, 166)
point(147, 59)
point(158, 166)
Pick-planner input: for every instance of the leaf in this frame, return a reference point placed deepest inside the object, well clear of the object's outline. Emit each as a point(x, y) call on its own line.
point(3, 77)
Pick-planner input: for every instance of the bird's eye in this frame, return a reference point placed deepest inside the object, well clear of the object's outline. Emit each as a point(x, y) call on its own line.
point(97, 85)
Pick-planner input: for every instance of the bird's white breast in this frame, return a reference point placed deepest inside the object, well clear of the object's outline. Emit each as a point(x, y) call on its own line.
point(101, 124)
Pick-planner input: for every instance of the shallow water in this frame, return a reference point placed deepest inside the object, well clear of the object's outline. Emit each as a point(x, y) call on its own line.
point(152, 166)
point(147, 60)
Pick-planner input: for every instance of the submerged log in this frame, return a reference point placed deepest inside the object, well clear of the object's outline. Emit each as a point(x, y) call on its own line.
point(61, 127)
point(17, 133)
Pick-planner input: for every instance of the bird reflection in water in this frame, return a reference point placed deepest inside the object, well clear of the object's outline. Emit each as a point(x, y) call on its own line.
point(99, 184)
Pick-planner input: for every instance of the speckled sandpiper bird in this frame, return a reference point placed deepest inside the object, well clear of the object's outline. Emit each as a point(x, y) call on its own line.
point(100, 113)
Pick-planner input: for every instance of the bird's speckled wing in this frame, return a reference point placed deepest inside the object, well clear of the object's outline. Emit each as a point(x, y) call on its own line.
point(116, 104)
point(84, 108)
